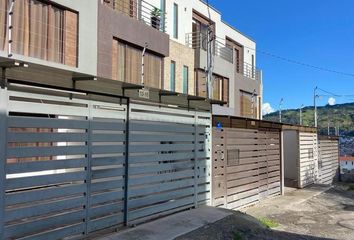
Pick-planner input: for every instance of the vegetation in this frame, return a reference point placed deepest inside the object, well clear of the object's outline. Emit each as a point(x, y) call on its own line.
point(351, 187)
point(268, 223)
point(341, 115)
point(237, 236)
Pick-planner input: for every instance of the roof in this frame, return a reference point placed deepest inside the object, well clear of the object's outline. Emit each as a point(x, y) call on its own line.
point(346, 158)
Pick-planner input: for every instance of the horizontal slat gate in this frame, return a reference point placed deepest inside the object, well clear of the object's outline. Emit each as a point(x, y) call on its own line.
point(328, 161)
point(246, 166)
point(66, 161)
point(308, 158)
point(64, 166)
point(169, 163)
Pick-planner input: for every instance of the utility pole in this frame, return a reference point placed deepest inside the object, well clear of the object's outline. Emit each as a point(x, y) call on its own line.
point(280, 109)
point(209, 71)
point(302, 106)
point(315, 105)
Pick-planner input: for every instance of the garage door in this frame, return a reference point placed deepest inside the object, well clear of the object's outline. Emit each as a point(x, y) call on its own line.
point(246, 166)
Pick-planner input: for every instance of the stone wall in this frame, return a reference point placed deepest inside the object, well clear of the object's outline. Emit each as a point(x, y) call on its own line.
point(183, 56)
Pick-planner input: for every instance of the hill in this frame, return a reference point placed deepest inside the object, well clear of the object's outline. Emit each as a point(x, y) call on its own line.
point(339, 115)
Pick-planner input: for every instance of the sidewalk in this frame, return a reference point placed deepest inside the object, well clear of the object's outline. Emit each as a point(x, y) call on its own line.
point(172, 226)
point(208, 223)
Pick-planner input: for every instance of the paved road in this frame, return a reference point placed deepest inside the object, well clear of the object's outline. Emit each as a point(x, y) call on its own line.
point(315, 213)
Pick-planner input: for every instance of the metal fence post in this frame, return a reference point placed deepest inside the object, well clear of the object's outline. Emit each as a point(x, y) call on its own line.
point(196, 160)
point(3, 144)
point(126, 165)
point(88, 169)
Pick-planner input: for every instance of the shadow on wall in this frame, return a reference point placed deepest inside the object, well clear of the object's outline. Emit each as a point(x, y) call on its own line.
point(245, 227)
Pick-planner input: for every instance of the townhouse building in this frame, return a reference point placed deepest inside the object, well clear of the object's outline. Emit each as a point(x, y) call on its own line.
point(160, 44)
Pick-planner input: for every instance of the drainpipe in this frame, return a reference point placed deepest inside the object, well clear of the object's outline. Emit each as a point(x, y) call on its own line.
point(9, 27)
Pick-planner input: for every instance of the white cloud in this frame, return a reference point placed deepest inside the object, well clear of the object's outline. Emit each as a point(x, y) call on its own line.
point(331, 101)
point(267, 108)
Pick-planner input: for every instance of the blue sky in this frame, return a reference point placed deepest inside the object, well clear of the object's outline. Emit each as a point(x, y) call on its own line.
point(316, 32)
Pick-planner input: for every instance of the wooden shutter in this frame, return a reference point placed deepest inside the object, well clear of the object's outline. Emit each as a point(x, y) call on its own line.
point(71, 38)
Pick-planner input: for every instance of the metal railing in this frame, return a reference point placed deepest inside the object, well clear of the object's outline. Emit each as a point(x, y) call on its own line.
point(248, 70)
point(141, 11)
point(198, 40)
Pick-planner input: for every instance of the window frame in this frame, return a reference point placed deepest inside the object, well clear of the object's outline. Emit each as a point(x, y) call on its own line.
point(173, 76)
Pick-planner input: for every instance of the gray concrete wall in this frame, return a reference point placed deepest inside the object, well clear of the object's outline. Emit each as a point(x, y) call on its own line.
point(112, 24)
point(291, 154)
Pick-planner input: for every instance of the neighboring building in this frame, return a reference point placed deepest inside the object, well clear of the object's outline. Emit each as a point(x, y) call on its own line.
point(107, 38)
point(235, 77)
point(346, 165)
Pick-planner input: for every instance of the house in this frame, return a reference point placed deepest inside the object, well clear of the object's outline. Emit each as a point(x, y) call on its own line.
point(235, 78)
point(107, 39)
point(346, 164)
point(105, 112)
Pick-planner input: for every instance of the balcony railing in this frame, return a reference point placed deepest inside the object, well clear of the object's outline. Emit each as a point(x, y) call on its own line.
point(248, 70)
point(141, 11)
point(198, 40)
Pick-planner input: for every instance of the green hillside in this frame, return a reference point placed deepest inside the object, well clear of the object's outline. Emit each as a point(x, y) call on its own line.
point(341, 115)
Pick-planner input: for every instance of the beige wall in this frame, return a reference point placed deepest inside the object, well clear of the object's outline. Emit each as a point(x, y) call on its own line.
point(183, 56)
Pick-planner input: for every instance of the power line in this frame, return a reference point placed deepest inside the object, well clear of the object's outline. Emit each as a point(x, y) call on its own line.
point(301, 63)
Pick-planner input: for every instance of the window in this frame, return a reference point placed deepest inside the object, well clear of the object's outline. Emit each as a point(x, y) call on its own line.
point(126, 65)
point(310, 151)
point(248, 104)
point(42, 30)
point(253, 67)
point(175, 20)
point(173, 76)
point(185, 79)
point(233, 157)
point(220, 88)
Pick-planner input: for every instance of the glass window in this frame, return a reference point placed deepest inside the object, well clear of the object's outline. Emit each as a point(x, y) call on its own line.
point(44, 31)
point(185, 79)
point(175, 20)
point(173, 76)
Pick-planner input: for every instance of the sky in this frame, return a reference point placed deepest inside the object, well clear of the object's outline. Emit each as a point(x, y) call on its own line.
point(315, 32)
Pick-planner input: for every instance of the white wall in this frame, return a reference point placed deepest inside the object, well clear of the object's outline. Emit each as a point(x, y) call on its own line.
point(291, 155)
point(185, 15)
point(349, 165)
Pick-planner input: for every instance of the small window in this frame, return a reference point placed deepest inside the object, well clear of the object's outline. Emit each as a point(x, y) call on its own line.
point(173, 76)
point(185, 79)
point(310, 151)
point(233, 157)
point(175, 20)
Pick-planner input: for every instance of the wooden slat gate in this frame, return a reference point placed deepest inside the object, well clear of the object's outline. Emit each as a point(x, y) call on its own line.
point(308, 159)
point(246, 166)
point(328, 160)
point(69, 168)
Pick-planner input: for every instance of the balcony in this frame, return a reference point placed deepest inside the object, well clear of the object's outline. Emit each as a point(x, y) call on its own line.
point(141, 11)
point(198, 40)
point(249, 71)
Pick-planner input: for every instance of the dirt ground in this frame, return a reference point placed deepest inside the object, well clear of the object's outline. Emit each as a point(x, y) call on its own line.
point(313, 213)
